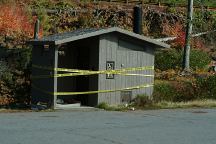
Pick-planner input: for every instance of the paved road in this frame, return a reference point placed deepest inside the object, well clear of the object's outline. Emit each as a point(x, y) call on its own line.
point(194, 126)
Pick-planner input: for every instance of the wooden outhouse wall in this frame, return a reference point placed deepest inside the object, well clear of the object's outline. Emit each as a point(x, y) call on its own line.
point(47, 58)
point(126, 53)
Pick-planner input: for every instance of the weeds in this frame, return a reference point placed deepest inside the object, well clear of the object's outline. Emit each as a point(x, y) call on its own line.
point(108, 107)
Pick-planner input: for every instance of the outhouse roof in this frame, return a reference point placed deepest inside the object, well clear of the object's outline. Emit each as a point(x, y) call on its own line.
point(61, 38)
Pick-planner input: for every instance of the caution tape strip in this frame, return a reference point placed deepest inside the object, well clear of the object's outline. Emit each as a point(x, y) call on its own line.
point(92, 92)
point(76, 72)
point(80, 74)
point(96, 72)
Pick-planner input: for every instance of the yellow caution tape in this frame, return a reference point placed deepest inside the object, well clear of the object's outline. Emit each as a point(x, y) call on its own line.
point(92, 92)
point(82, 74)
point(76, 72)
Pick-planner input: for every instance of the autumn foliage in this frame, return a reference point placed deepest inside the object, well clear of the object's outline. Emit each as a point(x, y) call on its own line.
point(14, 21)
point(175, 30)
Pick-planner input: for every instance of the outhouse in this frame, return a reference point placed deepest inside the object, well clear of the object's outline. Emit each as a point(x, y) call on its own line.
point(91, 66)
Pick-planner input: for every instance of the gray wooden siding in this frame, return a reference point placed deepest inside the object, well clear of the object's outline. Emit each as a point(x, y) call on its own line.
point(107, 52)
point(44, 59)
point(126, 53)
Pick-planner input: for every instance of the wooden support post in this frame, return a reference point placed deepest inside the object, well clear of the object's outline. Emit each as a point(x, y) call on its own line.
point(36, 29)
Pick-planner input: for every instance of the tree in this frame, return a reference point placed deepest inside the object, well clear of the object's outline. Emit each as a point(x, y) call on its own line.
point(15, 22)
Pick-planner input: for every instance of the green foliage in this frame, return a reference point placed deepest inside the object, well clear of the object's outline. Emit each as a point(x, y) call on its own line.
point(142, 101)
point(209, 3)
point(107, 107)
point(44, 19)
point(103, 105)
point(66, 4)
point(3, 68)
point(168, 59)
point(49, 4)
point(164, 92)
point(172, 59)
point(6, 1)
point(5, 73)
point(201, 88)
point(199, 59)
point(15, 74)
point(206, 87)
point(174, 91)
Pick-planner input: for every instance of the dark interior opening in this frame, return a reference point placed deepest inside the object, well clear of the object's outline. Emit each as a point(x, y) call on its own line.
point(81, 55)
point(82, 82)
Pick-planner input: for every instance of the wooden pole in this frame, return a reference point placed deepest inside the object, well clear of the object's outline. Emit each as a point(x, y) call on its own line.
point(186, 56)
point(36, 29)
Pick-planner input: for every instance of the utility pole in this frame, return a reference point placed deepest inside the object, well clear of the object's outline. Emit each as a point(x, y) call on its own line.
point(186, 57)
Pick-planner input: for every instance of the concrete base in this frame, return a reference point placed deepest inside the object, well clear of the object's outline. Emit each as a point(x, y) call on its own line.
point(76, 106)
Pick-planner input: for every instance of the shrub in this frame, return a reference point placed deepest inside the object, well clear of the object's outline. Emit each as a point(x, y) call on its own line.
point(169, 59)
point(206, 87)
point(172, 59)
point(14, 21)
point(164, 92)
point(184, 91)
point(142, 101)
point(178, 91)
point(174, 91)
point(108, 107)
point(199, 59)
point(15, 76)
point(3, 68)
point(103, 105)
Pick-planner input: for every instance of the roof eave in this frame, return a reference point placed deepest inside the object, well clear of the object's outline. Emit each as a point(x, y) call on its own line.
point(91, 34)
point(157, 44)
point(40, 42)
point(143, 38)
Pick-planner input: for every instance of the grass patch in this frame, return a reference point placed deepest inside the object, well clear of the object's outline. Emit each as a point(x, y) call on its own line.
point(108, 107)
point(160, 105)
point(189, 104)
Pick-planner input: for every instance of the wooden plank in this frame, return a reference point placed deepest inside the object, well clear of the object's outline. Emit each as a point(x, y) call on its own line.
point(143, 79)
point(151, 71)
point(139, 72)
point(108, 58)
point(135, 78)
point(102, 59)
point(119, 63)
point(121, 54)
point(113, 46)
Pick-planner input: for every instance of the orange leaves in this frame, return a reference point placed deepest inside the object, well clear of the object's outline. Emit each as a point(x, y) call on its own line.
point(180, 40)
point(14, 21)
point(172, 29)
point(175, 30)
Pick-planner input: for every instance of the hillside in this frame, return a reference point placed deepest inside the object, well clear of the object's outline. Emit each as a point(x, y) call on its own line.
point(159, 21)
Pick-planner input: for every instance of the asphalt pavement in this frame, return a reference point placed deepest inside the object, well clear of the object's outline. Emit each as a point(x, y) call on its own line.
point(182, 126)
